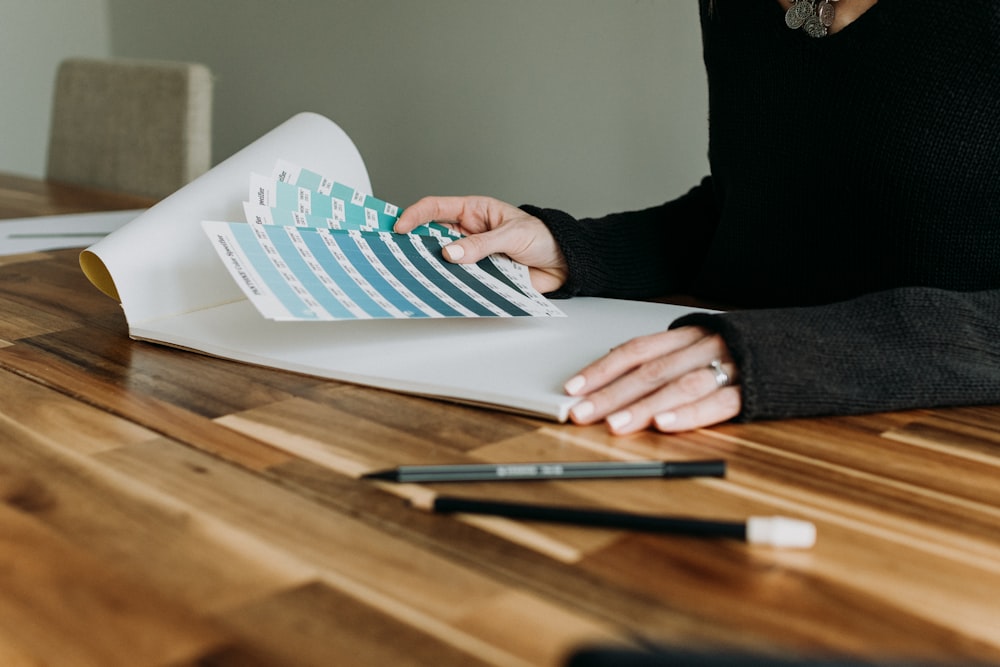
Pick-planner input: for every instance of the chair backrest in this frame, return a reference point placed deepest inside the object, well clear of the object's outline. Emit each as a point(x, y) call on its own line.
point(135, 126)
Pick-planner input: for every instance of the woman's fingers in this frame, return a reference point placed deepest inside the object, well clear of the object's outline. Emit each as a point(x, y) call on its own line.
point(492, 227)
point(440, 209)
point(717, 407)
point(678, 413)
point(665, 380)
point(643, 364)
point(472, 214)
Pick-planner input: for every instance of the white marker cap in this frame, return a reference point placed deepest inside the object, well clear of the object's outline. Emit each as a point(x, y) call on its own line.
point(779, 531)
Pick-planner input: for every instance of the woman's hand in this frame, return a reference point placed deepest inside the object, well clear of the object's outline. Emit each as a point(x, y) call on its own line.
point(665, 380)
point(492, 227)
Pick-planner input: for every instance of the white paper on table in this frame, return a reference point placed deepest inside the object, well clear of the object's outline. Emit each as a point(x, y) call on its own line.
point(174, 290)
point(50, 232)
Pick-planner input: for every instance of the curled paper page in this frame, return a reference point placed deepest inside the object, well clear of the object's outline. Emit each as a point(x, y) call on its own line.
point(160, 265)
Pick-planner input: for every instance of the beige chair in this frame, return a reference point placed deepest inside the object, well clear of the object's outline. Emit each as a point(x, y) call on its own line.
point(140, 127)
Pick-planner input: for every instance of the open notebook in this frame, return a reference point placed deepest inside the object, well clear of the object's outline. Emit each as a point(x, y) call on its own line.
point(177, 286)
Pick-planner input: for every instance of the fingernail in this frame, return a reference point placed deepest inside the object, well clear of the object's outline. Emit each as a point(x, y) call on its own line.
point(574, 384)
point(665, 419)
point(454, 252)
point(619, 420)
point(582, 410)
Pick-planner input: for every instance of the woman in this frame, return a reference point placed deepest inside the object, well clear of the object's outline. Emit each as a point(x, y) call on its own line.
point(851, 224)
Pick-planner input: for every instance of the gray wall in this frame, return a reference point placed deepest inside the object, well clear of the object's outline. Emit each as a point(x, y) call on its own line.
point(588, 105)
point(34, 37)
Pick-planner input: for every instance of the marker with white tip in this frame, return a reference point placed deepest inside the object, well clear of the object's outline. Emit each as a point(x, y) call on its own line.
point(779, 531)
point(774, 531)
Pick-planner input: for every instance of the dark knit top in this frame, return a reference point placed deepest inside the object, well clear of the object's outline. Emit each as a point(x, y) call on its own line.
point(852, 215)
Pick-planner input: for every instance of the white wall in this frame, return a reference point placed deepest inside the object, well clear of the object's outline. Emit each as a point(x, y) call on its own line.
point(588, 105)
point(34, 37)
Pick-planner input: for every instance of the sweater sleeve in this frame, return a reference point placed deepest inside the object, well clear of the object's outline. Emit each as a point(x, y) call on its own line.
point(635, 254)
point(904, 348)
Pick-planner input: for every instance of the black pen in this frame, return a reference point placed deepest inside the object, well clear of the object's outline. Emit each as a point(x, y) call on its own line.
point(773, 531)
point(489, 472)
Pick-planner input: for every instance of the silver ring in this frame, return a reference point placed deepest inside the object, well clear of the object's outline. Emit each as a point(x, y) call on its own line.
point(722, 378)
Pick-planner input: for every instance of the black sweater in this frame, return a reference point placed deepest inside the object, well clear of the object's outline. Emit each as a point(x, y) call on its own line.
point(852, 214)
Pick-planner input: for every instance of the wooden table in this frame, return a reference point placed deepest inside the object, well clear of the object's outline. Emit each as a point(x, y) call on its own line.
point(166, 508)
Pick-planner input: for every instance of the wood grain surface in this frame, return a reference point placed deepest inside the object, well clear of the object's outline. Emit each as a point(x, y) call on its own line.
point(159, 507)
